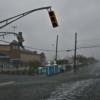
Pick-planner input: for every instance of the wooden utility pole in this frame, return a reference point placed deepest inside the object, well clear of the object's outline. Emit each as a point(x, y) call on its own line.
point(75, 50)
point(56, 49)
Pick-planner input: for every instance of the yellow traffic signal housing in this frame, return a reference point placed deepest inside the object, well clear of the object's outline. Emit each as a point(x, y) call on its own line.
point(53, 19)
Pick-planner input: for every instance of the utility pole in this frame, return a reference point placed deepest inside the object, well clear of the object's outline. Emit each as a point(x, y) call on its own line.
point(75, 50)
point(56, 49)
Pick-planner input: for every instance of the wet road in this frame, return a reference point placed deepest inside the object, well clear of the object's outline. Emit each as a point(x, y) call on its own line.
point(85, 86)
point(81, 90)
point(82, 85)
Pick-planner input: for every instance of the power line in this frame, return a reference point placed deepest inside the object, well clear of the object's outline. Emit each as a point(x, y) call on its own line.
point(93, 46)
point(40, 49)
point(31, 47)
point(47, 50)
point(4, 41)
point(85, 47)
point(37, 48)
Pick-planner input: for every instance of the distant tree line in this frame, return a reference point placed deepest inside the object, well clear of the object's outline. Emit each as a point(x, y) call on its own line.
point(85, 60)
point(79, 59)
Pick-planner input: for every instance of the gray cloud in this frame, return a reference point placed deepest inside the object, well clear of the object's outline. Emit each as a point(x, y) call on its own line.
point(80, 16)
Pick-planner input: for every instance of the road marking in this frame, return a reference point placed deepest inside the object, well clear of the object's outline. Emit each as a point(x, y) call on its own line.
point(7, 83)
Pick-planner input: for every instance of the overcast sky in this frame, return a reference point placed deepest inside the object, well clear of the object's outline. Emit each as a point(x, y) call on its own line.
point(81, 16)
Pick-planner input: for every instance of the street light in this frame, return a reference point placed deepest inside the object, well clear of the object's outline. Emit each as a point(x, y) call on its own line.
point(68, 50)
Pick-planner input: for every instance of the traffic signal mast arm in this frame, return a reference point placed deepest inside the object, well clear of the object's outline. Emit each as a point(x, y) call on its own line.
point(14, 18)
point(7, 33)
point(18, 35)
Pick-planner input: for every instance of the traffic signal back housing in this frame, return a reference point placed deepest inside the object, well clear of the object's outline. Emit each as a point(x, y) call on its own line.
point(53, 18)
point(20, 39)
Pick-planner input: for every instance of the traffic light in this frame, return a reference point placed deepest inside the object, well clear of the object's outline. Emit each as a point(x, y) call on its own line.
point(20, 39)
point(53, 18)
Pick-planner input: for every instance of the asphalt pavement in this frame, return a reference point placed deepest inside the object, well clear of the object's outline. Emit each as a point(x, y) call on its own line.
point(82, 85)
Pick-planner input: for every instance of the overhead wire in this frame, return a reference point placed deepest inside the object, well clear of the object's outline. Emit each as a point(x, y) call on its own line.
point(66, 50)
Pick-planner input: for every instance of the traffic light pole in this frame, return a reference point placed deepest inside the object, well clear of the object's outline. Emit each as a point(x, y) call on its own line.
point(15, 18)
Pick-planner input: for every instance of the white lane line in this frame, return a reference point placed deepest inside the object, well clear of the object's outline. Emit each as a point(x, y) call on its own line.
point(7, 83)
